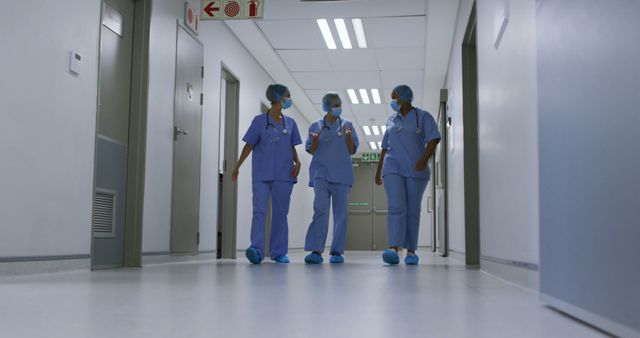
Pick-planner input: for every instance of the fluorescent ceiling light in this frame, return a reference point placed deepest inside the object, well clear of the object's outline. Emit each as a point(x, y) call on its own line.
point(357, 27)
point(376, 96)
point(343, 33)
point(326, 34)
point(376, 131)
point(384, 129)
point(367, 131)
point(365, 96)
point(353, 96)
point(380, 145)
point(373, 145)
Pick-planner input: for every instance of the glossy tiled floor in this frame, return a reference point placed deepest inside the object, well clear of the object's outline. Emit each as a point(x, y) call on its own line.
point(362, 298)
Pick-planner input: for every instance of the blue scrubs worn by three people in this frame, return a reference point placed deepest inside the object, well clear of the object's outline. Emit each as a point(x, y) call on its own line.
point(272, 138)
point(332, 140)
point(408, 143)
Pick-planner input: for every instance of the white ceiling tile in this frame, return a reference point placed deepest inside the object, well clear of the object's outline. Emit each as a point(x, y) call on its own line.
point(287, 9)
point(352, 60)
point(367, 110)
point(411, 78)
point(396, 31)
point(293, 34)
point(316, 94)
point(400, 58)
point(305, 60)
point(358, 80)
point(315, 80)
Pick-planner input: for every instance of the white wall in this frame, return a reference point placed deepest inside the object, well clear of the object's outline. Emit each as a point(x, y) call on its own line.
point(588, 123)
point(48, 127)
point(162, 60)
point(220, 47)
point(507, 133)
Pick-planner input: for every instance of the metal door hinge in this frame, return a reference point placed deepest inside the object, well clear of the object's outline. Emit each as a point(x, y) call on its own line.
point(201, 99)
point(198, 238)
point(202, 72)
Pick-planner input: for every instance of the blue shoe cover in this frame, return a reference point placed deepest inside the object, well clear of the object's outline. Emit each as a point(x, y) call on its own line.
point(411, 260)
point(336, 259)
point(253, 255)
point(313, 258)
point(283, 259)
point(390, 257)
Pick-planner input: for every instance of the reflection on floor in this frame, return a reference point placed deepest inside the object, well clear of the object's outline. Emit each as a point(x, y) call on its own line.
point(362, 298)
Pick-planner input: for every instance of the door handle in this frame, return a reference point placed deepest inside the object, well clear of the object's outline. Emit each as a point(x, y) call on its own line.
point(361, 212)
point(177, 132)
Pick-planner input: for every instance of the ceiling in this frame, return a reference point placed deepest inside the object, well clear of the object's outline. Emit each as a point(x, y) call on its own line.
point(396, 34)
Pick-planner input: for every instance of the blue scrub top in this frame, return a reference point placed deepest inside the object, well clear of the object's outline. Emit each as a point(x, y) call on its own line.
point(272, 157)
point(404, 146)
point(332, 160)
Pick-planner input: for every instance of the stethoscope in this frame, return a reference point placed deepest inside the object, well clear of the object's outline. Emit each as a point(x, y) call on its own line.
point(284, 124)
point(419, 130)
point(325, 126)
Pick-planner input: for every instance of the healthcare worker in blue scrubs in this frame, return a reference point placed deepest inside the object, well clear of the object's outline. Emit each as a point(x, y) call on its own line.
point(272, 138)
point(332, 140)
point(408, 143)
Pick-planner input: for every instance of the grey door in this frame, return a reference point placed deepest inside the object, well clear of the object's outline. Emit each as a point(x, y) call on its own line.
point(367, 228)
point(227, 207)
point(360, 226)
point(381, 210)
point(185, 205)
point(112, 139)
point(442, 241)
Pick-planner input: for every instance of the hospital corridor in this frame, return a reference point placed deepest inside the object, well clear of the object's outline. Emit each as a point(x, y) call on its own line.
point(319, 168)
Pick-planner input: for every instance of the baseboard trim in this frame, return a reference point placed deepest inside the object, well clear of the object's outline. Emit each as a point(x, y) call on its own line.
point(607, 325)
point(165, 257)
point(523, 274)
point(517, 264)
point(21, 259)
point(36, 265)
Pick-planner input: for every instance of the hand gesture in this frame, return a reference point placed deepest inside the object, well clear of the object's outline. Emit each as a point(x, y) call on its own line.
point(296, 170)
point(422, 164)
point(234, 174)
point(378, 179)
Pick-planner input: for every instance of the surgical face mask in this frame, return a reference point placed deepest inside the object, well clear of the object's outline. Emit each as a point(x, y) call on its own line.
point(287, 103)
point(336, 112)
point(395, 106)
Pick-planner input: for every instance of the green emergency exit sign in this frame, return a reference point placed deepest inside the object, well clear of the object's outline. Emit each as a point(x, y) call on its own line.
point(370, 157)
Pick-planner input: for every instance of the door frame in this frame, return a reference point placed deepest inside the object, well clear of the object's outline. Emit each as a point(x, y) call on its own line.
point(136, 155)
point(470, 139)
point(441, 179)
point(189, 32)
point(228, 228)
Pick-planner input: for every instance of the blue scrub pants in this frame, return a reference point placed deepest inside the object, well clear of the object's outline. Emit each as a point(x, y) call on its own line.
point(280, 192)
point(317, 233)
point(404, 198)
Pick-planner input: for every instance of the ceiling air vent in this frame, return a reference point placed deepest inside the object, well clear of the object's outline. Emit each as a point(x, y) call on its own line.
point(104, 213)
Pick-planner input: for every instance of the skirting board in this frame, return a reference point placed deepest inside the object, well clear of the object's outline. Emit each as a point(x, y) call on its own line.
point(154, 258)
point(598, 321)
point(28, 266)
point(520, 273)
point(36, 266)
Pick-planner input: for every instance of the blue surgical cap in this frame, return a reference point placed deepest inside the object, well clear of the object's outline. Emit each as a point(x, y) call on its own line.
point(330, 100)
point(404, 92)
point(276, 92)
